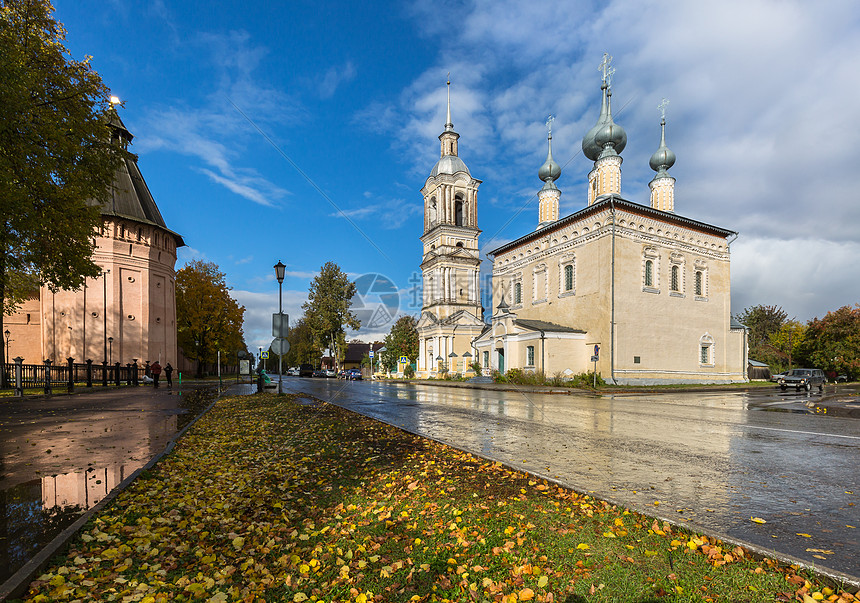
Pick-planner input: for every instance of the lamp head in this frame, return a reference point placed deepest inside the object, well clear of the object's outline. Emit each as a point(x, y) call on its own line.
point(279, 272)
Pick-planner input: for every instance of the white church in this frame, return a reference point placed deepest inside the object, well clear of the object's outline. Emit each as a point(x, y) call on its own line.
point(644, 289)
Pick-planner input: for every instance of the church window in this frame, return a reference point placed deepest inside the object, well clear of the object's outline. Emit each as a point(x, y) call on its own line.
point(518, 293)
point(530, 355)
point(698, 282)
point(459, 243)
point(458, 212)
point(649, 273)
point(486, 359)
point(706, 350)
point(676, 275)
point(675, 279)
point(568, 277)
point(139, 234)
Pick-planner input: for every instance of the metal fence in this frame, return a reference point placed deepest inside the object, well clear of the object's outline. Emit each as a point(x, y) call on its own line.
point(49, 377)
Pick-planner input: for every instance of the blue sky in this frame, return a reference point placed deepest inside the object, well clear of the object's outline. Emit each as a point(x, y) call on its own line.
point(303, 131)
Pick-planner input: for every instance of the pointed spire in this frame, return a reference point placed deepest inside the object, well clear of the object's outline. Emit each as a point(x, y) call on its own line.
point(663, 158)
point(550, 170)
point(449, 126)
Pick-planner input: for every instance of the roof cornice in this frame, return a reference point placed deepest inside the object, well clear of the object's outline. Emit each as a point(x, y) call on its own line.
point(609, 201)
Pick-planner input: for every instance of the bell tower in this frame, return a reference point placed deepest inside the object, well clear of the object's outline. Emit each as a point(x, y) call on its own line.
point(450, 266)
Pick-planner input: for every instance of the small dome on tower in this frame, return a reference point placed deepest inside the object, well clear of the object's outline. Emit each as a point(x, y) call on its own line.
point(663, 158)
point(550, 170)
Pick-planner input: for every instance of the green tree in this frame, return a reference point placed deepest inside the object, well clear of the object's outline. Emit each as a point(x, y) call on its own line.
point(762, 322)
point(832, 343)
point(302, 347)
point(787, 342)
point(402, 340)
point(327, 309)
point(56, 157)
point(207, 318)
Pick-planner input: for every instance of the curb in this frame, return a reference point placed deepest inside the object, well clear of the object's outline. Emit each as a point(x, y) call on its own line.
point(17, 584)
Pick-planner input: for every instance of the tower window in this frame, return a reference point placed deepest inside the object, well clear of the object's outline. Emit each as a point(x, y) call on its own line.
point(649, 273)
point(518, 293)
point(568, 277)
point(698, 282)
point(675, 280)
point(458, 213)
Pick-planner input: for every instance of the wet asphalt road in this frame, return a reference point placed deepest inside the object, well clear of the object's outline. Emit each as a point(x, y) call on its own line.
point(710, 460)
point(61, 455)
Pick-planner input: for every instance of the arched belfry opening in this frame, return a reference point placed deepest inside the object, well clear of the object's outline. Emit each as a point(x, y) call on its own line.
point(458, 211)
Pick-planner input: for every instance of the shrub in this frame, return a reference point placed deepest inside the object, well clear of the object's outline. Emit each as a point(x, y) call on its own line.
point(409, 372)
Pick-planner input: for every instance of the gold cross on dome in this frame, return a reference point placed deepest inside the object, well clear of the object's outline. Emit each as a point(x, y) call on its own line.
point(662, 107)
point(605, 67)
point(549, 121)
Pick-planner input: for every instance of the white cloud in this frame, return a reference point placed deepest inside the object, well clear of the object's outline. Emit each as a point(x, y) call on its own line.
point(214, 131)
point(389, 214)
point(807, 277)
point(334, 78)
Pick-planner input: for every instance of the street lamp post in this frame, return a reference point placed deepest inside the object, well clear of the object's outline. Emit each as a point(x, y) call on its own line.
point(110, 350)
point(279, 274)
point(379, 353)
point(6, 357)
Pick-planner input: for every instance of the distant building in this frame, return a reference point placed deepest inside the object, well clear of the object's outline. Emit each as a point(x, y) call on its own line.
point(127, 313)
point(635, 290)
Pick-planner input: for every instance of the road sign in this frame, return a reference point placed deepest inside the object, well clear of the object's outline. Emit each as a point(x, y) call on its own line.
point(264, 355)
point(404, 360)
point(371, 353)
point(280, 325)
point(280, 346)
point(594, 358)
point(596, 350)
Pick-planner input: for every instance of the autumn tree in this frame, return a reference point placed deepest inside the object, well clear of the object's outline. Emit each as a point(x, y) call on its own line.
point(763, 322)
point(56, 157)
point(207, 318)
point(402, 340)
point(302, 347)
point(327, 310)
point(787, 342)
point(832, 343)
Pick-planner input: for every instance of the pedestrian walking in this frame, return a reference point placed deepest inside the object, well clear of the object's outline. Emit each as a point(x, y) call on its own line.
point(168, 372)
point(155, 369)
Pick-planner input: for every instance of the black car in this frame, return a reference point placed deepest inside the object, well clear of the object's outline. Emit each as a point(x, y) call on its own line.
point(306, 370)
point(803, 379)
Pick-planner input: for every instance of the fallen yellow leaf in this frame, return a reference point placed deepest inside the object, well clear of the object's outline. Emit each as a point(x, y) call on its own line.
point(582, 546)
point(542, 581)
point(526, 594)
point(804, 535)
point(757, 520)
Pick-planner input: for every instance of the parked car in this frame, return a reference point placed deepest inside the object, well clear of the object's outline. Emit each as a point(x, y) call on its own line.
point(803, 379)
point(778, 376)
point(306, 370)
point(842, 379)
point(330, 373)
point(353, 374)
point(319, 373)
